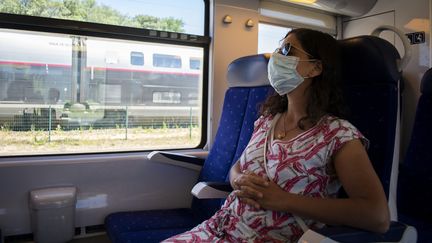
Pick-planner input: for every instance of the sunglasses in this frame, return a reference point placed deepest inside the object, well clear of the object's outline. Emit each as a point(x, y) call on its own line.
point(286, 48)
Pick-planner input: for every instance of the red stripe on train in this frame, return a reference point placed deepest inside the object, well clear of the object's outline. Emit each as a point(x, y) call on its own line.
point(96, 68)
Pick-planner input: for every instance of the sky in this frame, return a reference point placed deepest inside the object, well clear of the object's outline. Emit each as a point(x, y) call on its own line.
point(190, 11)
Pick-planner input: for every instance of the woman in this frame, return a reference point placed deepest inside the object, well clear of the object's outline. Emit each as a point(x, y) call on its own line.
point(309, 153)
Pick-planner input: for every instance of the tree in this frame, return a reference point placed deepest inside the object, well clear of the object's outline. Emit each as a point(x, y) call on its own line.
point(89, 11)
point(167, 24)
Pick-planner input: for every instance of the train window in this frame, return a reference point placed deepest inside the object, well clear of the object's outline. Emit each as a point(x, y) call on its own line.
point(194, 63)
point(269, 37)
point(61, 97)
point(137, 58)
point(169, 61)
point(85, 87)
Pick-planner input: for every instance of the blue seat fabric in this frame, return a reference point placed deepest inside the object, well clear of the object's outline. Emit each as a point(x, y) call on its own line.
point(415, 173)
point(230, 142)
point(148, 226)
point(235, 128)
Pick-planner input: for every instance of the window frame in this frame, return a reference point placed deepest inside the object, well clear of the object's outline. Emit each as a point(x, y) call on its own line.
point(71, 27)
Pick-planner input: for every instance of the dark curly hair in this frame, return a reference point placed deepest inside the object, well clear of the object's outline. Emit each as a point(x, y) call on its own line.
point(324, 93)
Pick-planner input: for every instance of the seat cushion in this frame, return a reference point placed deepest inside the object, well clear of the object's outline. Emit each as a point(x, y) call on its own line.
point(149, 226)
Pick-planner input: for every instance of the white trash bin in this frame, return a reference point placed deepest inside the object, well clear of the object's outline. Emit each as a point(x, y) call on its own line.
point(52, 212)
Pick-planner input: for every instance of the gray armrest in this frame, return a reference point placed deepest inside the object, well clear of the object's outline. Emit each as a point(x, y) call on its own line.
point(202, 154)
point(186, 161)
point(208, 190)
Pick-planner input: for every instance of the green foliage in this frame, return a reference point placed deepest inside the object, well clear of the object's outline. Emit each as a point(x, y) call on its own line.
point(88, 11)
point(151, 22)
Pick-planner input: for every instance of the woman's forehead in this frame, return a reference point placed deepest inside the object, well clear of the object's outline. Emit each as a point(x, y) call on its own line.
point(292, 40)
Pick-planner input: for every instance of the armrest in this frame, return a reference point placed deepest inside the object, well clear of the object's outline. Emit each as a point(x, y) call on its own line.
point(208, 190)
point(398, 232)
point(203, 154)
point(186, 161)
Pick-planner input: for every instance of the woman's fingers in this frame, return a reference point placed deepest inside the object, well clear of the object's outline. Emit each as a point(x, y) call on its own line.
point(242, 195)
point(250, 179)
point(248, 192)
point(252, 192)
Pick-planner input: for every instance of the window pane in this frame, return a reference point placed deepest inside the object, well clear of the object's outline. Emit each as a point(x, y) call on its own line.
point(137, 58)
point(269, 37)
point(164, 60)
point(186, 16)
point(66, 94)
point(195, 63)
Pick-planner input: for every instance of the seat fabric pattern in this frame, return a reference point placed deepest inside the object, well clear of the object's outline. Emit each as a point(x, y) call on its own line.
point(221, 155)
point(148, 226)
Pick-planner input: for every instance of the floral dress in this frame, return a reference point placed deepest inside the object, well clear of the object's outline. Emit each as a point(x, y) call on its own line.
point(301, 165)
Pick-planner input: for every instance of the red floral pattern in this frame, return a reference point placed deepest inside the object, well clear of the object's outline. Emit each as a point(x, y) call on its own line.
point(301, 165)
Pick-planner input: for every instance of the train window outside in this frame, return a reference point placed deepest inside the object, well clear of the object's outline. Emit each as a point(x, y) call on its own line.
point(137, 58)
point(74, 79)
point(169, 61)
point(194, 63)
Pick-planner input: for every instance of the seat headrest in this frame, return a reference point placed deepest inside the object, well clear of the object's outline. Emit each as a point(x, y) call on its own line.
point(369, 60)
point(248, 71)
point(426, 82)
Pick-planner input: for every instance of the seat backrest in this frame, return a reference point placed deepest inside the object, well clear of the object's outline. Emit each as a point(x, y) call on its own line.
point(371, 87)
point(418, 156)
point(248, 88)
point(414, 189)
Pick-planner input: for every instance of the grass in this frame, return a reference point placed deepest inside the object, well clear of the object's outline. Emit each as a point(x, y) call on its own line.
point(95, 140)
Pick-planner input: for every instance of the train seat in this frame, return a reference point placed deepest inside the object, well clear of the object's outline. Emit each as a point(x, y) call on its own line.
point(415, 178)
point(248, 87)
point(371, 75)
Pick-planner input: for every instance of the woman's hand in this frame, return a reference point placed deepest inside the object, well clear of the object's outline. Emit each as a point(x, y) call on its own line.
point(248, 187)
point(258, 192)
point(273, 197)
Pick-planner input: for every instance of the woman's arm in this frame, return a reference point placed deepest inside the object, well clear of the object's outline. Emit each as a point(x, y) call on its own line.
point(365, 208)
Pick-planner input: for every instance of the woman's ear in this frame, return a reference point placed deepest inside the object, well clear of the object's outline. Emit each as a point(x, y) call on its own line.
point(317, 69)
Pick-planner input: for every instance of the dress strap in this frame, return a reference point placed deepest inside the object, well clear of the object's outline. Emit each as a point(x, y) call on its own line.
point(270, 133)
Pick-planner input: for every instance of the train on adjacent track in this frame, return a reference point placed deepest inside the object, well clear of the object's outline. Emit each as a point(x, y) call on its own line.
point(151, 83)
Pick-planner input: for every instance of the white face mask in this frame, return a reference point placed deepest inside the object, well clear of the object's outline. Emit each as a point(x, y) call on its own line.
point(282, 73)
